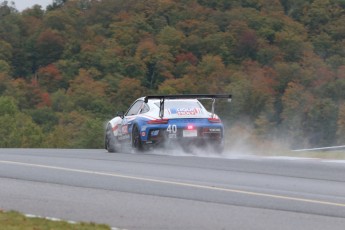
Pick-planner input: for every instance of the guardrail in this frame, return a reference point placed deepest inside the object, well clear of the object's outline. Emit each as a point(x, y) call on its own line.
point(341, 147)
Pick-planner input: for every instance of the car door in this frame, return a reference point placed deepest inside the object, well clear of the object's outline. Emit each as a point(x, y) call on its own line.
point(129, 119)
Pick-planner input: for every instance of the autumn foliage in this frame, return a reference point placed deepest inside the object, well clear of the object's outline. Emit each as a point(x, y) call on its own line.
point(67, 69)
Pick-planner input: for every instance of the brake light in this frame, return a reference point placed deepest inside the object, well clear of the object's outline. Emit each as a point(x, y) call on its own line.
point(158, 121)
point(214, 120)
point(190, 127)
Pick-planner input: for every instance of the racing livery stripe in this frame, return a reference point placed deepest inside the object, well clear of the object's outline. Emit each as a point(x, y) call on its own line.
point(115, 128)
point(130, 118)
point(149, 117)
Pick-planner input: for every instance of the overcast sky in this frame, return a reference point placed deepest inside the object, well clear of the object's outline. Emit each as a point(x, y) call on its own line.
point(23, 4)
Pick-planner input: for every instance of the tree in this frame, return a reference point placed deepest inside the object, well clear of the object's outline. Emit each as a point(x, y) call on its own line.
point(50, 78)
point(129, 90)
point(91, 134)
point(56, 4)
point(17, 129)
point(318, 14)
point(88, 94)
point(6, 51)
point(340, 134)
point(254, 92)
point(28, 94)
point(171, 37)
point(184, 63)
point(4, 82)
point(158, 61)
point(292, 46)
point(6, 8)
point(67, 133)
point(50, 46)
point(60, 137)
point(45, 117)
point(297, 102)
point(184, 85)
point(321, 123)
point(33, 12)
point(61, 101)
point(5, 68)
point(247, 45)
point(211, 75)
point(295, 8)
point(8, 106)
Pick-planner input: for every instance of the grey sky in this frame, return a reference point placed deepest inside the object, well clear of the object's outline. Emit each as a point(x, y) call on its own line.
point(23, 4)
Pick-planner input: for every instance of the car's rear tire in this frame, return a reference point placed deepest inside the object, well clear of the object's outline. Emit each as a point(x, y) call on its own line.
point(110, 140)
point(136, 140)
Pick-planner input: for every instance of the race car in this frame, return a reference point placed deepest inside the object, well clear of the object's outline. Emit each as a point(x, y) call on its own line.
point(166, 121)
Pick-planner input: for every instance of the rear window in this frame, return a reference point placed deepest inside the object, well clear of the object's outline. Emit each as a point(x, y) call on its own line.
point(182, 108)
point(174, 104)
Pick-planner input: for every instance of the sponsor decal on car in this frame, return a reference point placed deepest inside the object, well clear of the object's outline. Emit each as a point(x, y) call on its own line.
point(185, 111)
point(124, 129)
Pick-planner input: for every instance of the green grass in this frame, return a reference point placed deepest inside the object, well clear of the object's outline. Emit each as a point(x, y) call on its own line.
point(16, 221)
point(327, 155)
point(336, 155)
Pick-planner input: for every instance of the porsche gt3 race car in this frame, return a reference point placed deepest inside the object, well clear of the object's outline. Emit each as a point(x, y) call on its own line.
point(166, 121)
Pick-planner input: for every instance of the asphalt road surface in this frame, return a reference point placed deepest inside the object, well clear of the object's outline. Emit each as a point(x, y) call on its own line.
point(159, 191)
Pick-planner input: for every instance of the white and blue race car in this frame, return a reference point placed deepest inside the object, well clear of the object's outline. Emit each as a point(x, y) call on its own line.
point(168, 120)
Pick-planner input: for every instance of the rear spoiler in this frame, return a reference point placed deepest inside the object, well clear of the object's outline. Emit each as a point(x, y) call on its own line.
point(162, 98)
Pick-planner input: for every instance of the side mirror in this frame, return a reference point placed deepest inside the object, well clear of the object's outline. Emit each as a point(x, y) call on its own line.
point(120, 114)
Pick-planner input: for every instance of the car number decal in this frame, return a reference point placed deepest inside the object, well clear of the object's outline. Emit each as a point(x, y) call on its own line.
point(172, 130)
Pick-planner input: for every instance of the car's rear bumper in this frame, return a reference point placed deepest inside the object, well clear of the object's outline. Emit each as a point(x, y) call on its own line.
point(200, 137)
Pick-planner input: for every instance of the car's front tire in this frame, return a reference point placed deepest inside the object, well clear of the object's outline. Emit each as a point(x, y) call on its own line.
point(110, 141)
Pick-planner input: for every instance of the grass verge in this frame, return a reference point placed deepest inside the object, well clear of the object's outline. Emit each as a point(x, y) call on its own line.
point(329, 155)
point(326, 155)
point(16, 221)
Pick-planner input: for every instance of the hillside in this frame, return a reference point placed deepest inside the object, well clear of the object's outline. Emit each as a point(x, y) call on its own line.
point(66, 69)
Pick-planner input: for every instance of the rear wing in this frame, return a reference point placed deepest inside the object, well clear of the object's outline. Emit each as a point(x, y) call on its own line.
point(162, 98)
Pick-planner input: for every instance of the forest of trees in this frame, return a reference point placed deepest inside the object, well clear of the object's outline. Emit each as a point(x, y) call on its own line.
point(67, 69)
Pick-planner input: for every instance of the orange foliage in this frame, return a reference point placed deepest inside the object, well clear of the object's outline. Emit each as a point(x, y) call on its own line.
point(83, 85)
point(49, 37)
point(185, 85)
point(45, 101)
point(32, 24)
point(341, 72)
point(264, 79)
point(146, 50)
point(50, 71)
point(323, 75)
point(49, 77)
point(187, 57)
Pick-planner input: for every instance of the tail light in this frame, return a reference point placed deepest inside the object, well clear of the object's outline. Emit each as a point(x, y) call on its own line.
point(214, 120)
point(190, 127)
point(158, 121)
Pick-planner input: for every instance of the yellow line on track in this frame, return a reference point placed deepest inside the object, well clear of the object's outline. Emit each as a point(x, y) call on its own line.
point(182, 184)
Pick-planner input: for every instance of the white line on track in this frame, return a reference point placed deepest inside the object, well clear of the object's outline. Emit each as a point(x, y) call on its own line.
point(182, 184)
